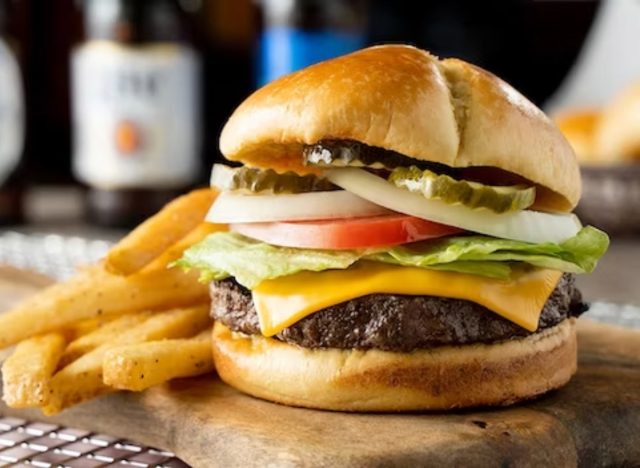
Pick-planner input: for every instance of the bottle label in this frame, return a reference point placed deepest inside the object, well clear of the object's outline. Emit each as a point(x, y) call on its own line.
point(11, 113)
point(284, 49)
point(136, 115)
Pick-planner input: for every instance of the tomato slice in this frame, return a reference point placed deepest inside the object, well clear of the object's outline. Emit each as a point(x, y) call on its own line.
point(343, 234)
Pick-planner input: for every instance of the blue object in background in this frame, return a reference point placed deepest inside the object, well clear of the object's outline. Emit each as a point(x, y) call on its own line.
point(285, 49)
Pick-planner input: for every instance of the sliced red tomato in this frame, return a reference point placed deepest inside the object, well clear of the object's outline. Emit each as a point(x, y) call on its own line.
point(343, 234)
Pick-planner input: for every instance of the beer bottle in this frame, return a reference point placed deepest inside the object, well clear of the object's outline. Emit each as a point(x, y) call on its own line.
point(135, 106)
point(12, 127)
point(298, 33)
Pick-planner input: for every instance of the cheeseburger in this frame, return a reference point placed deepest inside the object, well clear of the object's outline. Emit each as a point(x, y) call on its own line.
point(400, 238)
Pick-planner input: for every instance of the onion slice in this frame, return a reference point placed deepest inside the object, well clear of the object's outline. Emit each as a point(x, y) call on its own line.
point(236, 208)
point(526, 226)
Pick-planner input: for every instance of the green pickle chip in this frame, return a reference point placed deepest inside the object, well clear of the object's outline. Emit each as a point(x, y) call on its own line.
point(499, 199)
point(265, 181)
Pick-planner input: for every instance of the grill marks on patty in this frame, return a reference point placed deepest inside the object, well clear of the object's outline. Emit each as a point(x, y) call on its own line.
point(393, 322)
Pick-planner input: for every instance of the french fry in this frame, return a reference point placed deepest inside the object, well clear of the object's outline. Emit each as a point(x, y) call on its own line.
point(156, 234)
point(82, 379)
point(174, 252)
point(93, 293)
point(85, 327)
point(100, 336)
point(26, 374)
point(140, 366)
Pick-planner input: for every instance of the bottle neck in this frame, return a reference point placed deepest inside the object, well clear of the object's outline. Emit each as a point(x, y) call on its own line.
point(315, 15)
point(134, 21)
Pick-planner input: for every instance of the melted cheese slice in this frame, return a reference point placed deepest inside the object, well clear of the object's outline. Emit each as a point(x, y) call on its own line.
point(282, 302)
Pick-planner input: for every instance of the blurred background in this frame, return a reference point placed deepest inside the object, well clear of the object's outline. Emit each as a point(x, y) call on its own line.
point(109, 108)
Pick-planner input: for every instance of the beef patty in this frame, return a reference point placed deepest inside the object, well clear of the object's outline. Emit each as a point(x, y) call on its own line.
point(393, 322)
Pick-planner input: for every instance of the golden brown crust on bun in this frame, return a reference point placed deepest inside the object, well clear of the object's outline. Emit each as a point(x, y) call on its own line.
point(373, 380)
point(618, 132)
point(404, 99)
point(579, 126)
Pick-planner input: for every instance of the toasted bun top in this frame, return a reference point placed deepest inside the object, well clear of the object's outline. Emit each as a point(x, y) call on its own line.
point(617, 136)
point(404, 99)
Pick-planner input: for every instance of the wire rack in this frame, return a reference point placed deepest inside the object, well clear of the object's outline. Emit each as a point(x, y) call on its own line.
point(50, 254)
point(24, 443)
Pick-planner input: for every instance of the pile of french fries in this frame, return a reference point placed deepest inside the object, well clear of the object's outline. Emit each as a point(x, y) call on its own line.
point(127, 323)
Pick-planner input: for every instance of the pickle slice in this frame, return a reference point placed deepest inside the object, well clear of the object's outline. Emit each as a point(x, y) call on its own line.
point(499, 199)
point(349, 153)
point(265, 181)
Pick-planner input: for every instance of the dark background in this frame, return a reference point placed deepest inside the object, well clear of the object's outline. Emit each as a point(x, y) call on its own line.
point(531, 44)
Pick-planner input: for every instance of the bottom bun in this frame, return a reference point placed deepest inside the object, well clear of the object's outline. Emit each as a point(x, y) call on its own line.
point(373, 380)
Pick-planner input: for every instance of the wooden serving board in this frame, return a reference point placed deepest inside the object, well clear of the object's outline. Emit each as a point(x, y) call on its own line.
point(594, 421)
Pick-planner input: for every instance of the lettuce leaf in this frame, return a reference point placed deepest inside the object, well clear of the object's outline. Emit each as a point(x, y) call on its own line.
point(250, 262)
point(576, 255)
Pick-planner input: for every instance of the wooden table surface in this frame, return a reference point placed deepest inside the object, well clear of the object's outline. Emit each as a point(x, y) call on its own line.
point(592, 422)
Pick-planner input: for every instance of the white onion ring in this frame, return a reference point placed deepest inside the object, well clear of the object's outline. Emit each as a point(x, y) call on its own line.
point(236, 208)
point(526, 226)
